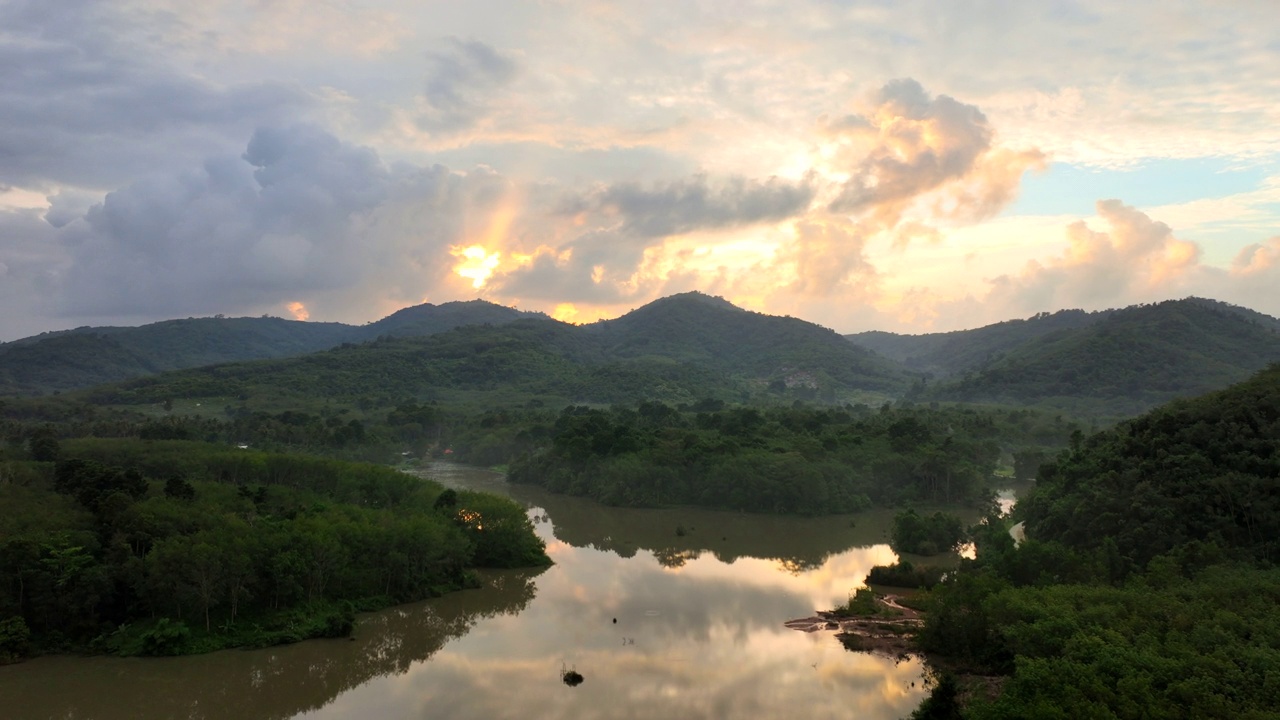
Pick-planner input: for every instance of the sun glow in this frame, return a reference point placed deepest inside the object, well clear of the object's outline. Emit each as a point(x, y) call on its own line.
point(298, 310)
point(475, 263)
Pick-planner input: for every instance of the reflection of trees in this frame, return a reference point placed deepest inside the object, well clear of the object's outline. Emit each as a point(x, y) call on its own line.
point(800, 543)
point(674, 558)
point(283, 682)
point(798, 565)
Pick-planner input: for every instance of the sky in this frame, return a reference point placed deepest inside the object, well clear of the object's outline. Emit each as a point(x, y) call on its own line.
point(905, 165)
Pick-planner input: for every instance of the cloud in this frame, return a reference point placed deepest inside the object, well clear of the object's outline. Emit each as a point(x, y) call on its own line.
point(612, 229)
point(1137, 259)
point(695, 204)
point(300, 214)
point(824, 254)
point(463, 78)
point(83, 103)
point(910, 147)
point(32, 258)
point(1257, 259)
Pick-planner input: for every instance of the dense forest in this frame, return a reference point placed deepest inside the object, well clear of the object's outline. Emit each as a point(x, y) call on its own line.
point(1147, 586)
point(166, 547)
point(782, 459)
point(1125, 362)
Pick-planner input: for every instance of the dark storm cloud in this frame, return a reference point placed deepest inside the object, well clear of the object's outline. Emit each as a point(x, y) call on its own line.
point(81, 104)
point(462, 80)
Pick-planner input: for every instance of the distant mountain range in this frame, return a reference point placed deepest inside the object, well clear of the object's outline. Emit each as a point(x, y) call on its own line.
point(89, 356)
point(1114, 361)
point(678, 348)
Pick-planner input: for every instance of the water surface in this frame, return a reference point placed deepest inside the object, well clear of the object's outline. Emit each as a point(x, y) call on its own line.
point(699, 599)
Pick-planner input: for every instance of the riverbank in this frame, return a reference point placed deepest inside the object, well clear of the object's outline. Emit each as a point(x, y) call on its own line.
point(885, 628)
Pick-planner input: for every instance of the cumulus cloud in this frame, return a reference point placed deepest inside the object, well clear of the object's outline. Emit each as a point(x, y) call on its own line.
point(612, 229)
point(1136, 259)
point(463, 78)
point(825, 253)
point(299, 214)
point(910, 147)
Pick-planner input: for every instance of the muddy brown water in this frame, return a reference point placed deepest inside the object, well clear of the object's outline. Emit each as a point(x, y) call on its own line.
point(699, 598)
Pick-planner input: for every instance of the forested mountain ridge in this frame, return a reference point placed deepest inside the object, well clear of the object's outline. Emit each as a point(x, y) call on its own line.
point(945, 354)
point(1127, 361)
point(676, 350)
point(89, 356)
point(949, 353)
point(699, 328)
point(1113, 363)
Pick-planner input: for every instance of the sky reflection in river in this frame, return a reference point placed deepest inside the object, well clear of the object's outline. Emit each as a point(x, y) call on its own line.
point(699, 638)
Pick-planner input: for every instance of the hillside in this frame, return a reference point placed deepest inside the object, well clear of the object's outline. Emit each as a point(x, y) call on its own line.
point(93, 355)
point(785, 351)
point(1197, 470)
point(428, 319)
point(1128, 361)
point(944, 354)
point(677, 349)
point(1147, 584)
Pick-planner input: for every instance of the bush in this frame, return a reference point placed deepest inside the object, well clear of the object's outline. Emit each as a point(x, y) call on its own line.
point(168, 637)
point(14, 637)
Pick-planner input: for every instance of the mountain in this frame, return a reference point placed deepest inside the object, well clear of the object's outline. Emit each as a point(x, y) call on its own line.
point(697, 328)
point(428, 319)
point(678, 349)
point(1128, 360)
point(951, 353)
point(93, 355)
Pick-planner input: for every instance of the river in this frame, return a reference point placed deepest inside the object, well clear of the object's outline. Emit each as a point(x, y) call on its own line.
point(665, 613)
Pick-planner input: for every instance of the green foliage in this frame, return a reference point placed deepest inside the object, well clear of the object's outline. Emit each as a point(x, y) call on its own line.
point(1147, 585)
point(1200, 470)
point(14, 639)
point(905, 575)
point(238, 540)
point(43, 444)
point(937, 533)
point(863, 603)
point(1128, 360)
point(943, 702)
point(166, 637)
point(781, 460)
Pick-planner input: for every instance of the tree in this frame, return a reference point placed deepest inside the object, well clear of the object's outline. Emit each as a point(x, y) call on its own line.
point(43, 445)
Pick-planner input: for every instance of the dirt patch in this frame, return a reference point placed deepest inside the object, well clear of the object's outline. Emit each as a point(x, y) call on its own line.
point(889, 634)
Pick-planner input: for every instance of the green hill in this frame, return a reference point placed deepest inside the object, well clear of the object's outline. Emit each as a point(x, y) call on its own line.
point(1146, 585)
point(944, 354)
point(1128, 360)
point(784, 351)
point(1201, 470)
point(94, 355)
point(677, 350)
